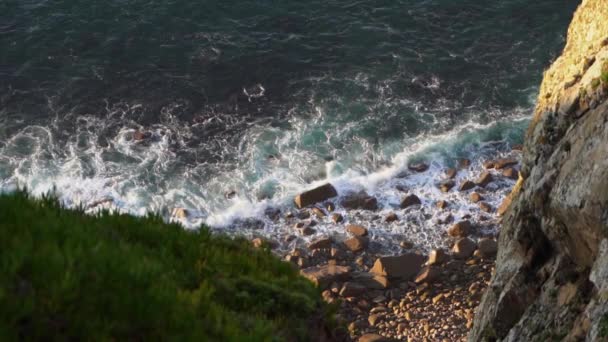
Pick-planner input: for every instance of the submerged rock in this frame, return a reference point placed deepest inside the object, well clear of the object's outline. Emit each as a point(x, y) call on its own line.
point(484, 179)
point(409, 201)
point(359, 200)
point(418, 167)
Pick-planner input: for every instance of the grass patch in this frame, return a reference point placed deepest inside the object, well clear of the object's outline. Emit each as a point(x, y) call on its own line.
point(604, 326)
point(71, 276)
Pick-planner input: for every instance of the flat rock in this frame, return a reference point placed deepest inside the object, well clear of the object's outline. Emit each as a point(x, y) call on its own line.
point(410, 200)
point(315, 195)
point(466, 185)
point(356, 230)
point(464, 248)
point(356, 243)
point(405, 266)
point(323, 276)
point(460, 229)
point(323, 243)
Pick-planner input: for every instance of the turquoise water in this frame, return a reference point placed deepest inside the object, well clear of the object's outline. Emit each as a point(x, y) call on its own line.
point(261, 98)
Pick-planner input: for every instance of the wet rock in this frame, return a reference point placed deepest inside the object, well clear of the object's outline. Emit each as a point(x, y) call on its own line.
point(391, 217)
point(475, 197)
point(464, 163)
point(323, 276)
point(460, 229)
point(230, 194)
point(303, 215)
point(504, 162)
point(442, 204)
point(487, 247)
point(510, 173)
point(272, 213)
point(485, 207)
point(466, 185)
point(488, 164)
point(464, 248)
point(446, 186)
point(451, 173)
point(356, 244)
point(359, 200)
point(405, 266)
point(410, 200)
point(319, 213)
point(323, 243)
point(437, 257)
point(517, 147)
point(350, 289)
point(337, 218)
point(140, 136)
point(356, 230)
point(315, 195)
point(484, 179)
point(330, 206)
point(428, 274)
point(406, 244)
point(418, 167)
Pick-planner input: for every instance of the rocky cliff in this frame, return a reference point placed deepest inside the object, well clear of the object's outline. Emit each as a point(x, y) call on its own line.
point(551, 279)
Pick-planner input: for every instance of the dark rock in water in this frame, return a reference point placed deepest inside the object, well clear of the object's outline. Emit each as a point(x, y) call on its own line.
point(391, 217)
point(460, 229)
point(464, 163)
point(485, 207)
point(402, 188)
point(318, 212)
point(140, 136)
point(404, 267)
point(484, 179)
point(230, 194)
point(359, 200)
point(446, 186)
point(510, 173)
point(504, 162)
point(518, 147)
point(323, 243)
point(315, 195)
point(356, 230)
point(272, 213)
point(337, 218)
point(329, 206)
point(442, 204)
point(356, 244)
point(409, 201)
point(328, 158)
point(303, 215)
point(475, 197)
point(437, 257)
point(418, 167)
point(251, 223)
point(451, 173)
point(488, 164)
point(466, 185)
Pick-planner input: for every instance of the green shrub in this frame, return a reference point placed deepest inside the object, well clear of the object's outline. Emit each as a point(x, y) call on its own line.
point(70, 276)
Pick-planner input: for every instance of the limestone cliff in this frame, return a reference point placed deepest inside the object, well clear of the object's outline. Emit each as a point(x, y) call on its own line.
point(551, 279)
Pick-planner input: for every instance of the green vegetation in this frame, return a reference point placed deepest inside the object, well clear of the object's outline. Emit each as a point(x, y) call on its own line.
point(604, 326)
point(70, 276)
point(604, 74)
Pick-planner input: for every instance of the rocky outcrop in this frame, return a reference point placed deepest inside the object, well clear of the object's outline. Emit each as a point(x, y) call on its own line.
point(552, 266)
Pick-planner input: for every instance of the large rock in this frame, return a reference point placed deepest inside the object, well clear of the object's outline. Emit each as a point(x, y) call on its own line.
point(403, 267)
point(356, 244)
point(359, 200)
point(418, 167)
point(460, 229)
point(356, 230)
point(437, 257)
point(466, 185)
point(315, 195)
point(428, 274)
point(325, 275)
point(410, 200)
point(370, 281)
point(484, 179)
point(323, 243)
point(487, 247)
point(504, 162)
point(464, 248)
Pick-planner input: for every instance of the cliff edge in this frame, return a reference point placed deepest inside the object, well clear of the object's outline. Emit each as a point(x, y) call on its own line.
point(551, 279)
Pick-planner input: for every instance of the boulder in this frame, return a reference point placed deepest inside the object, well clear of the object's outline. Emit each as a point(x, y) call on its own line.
point(180, 213)
point(484, 179)
point(350, 289)
point(139, 135)
point(318, 212)
point(404, 267)
point(359, 200)
point(410, 200)
point(442, 204)
point(323, 243)
point(356, 230)
point(437, 257)
point(337, 218)
point(487, 247)
point(464, 248)
point(428, 274)
point(315, 195)
point(504, 162)
point(370, 281)
point(391, 217)
point(466, 185)
point(485, 207)
point(356, 244)
point(451, 173)
point(323, 276)
point(460, 229)
point(418, 167)
point(488, 164)
point(475, 197)
point(510, 173)
point(446, 186)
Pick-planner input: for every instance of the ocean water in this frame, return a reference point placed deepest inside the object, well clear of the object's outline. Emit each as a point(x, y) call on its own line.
point(262, 99)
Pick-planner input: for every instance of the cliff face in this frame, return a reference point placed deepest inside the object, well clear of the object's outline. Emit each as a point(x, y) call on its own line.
point(551, 280)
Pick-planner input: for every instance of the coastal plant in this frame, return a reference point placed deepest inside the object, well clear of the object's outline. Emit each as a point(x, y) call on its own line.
point(71, 276)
